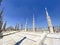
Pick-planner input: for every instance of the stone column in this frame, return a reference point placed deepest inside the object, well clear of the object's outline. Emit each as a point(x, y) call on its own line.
point(49, 22)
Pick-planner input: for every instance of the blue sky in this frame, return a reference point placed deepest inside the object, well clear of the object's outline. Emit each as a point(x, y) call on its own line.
point(16, 11)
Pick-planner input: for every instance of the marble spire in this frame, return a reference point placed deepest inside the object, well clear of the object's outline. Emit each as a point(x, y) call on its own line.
point(49, 22)
point(1, 22)
point(33, 24)
point(21, 26)
point(4, 27)
point(26, 26)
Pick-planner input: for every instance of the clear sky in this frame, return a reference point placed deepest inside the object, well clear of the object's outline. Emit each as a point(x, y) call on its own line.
point(16, 11)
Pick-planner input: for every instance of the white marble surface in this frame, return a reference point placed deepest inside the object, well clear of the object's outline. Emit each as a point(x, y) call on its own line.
point(33, 38)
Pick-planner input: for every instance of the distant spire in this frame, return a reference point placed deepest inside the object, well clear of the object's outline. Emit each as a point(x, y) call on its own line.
point(33, 24)
point(21, 26)
point(33, 18)
point(16, 26)
point(26, 25)
point(1, 18)
point(1, 11)
point(4, 27)
point(49, 21)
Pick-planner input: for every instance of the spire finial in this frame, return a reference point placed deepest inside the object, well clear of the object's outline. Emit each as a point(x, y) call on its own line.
point(45, 8)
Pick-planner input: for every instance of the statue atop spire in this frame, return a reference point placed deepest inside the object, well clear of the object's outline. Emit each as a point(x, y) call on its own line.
point(49, 22)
